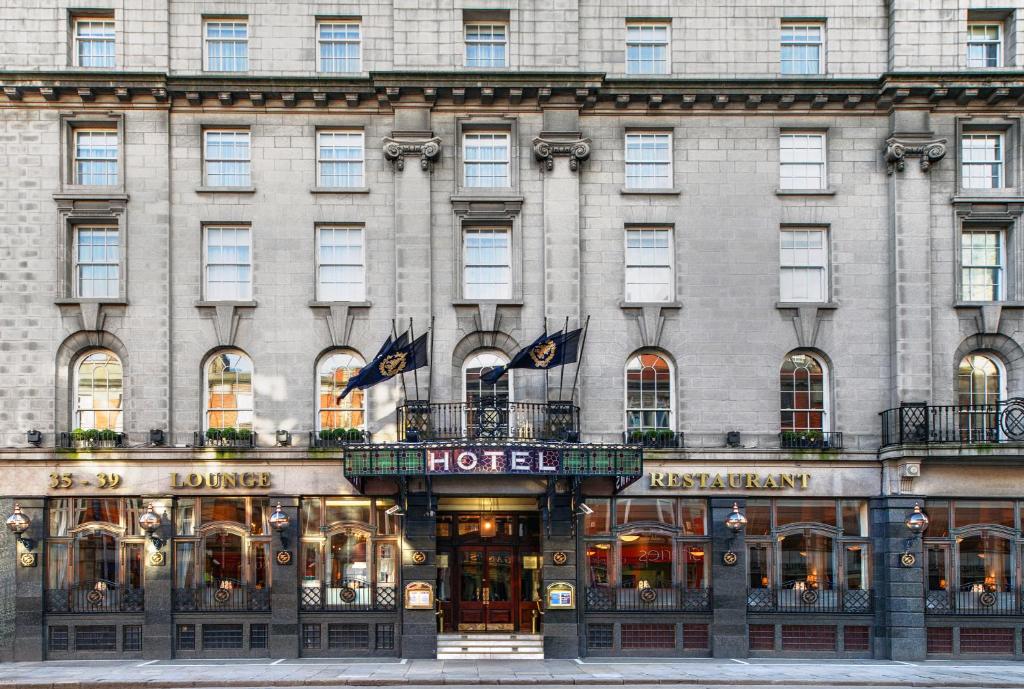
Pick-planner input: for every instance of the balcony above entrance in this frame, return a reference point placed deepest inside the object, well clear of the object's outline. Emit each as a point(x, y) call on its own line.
point(489, 418)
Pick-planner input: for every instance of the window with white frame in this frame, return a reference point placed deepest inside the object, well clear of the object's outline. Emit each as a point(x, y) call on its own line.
point(648, 160)
point(487, 263)
point(340, 159)
point(226, 45)
point(95, 38)
point(95, 156)
point(982, 264)
point(647, 48)
point(341, 272)
point(486, 45)
point(99, 391)
point(334, 372)
point(802, 161)
point(228, 264)
point(804, 389)
point(984, 45)
point(802, 48)
point(803, 265)
point(648, 264)
point(982, 163)
point(227, 158)
point(649, 392)
point(486, 159)
point(340, 46)
point(229, 396)
point(97, 262)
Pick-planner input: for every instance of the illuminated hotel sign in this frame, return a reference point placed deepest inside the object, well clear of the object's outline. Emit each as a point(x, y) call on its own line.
point(493, 461)
point(744, 481)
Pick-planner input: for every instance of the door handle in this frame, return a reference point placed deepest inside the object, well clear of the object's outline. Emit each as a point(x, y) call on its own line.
point(487, 595)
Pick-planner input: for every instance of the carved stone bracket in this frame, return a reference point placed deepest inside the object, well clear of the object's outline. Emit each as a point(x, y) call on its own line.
point(650, 320)
point(545, 151)
point(225, 318)
point(429, 151)
point(896, 152)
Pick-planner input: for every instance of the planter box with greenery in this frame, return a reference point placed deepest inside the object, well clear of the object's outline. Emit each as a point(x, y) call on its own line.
point(90, 439)
point(338, 437)
point(654, 438)
point(227, 437)
point(810, 440)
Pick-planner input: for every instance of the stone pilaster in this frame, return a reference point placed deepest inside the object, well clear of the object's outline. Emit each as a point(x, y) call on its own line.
point(561, 627)
point(898, 590)
point(283, 640)
point(910, 239)
point(729, 584)
point(29, 585)
point(157, 577)
point(419, 627)
point(412, 149)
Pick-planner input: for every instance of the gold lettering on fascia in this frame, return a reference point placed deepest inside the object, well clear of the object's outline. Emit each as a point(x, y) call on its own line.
point(221, 480)
point(744, 481)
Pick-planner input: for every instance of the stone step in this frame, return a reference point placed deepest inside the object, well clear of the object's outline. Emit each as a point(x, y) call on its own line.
point(491, 635)
point(475, 647)
point(490, 656)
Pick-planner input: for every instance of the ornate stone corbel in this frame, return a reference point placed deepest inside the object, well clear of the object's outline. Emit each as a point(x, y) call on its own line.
point(429, 151)
point(545, 150)
point(896, 152)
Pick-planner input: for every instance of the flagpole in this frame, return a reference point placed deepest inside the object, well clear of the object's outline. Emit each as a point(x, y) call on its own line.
point(561, 373)
point(394, 334)
point(415, 375)
point(547, 397)
point(579, 360)
point(430, 363)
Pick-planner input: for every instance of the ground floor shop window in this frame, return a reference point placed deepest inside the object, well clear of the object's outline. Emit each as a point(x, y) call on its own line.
point(221, 554)
point(652, 555)
point(349, 554)
point(94, 555)
point(973, 556)
point(808, 555)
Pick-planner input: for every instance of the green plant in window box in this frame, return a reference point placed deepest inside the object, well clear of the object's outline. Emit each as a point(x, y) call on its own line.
point(92, 435)
point(651, 437)
point(230, 433)
point(666, 437)
point(338, 434)
point(244, 435)
point(355, 435)
point(213, 434)
point(635, 437)
point(78, 434)
point(108, 436)
point(324, 434)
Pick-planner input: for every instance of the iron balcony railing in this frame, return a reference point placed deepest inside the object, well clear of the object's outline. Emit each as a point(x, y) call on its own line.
point(809, 600)
point(222, 599)
point(488, 418)
point(348, 596)
point(811, 440)
point(653, 438)
point(973, 602)
point(90, 440)
point(651, 599)
point(338, 438)
point(224, 437)
point(1001, 422)
point(90, 597)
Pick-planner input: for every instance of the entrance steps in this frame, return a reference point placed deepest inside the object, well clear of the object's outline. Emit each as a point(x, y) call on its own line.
point(490, 646)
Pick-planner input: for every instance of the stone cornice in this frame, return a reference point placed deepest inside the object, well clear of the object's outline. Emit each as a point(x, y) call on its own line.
point(586, 90)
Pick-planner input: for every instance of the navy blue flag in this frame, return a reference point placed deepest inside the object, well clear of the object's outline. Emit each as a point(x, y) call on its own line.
point(547, 351)
point(369, 375)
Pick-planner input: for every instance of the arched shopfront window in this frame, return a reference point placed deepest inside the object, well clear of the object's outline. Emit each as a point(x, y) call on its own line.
point(99, 392)
point(808, 555)
point(634, 544)
point(649, 393)
point(94, 552)
point(475, 389)
point(333, 374)
point(980, 387)
point(228, 400)
point(804, 399)
point(971, 548)
point(221, 554)
point(349, 554)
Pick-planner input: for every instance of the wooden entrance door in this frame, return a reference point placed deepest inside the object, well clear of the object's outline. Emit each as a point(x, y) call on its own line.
point(488, 596)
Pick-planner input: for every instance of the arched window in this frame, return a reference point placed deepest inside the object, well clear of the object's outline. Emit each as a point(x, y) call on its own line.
point(980, 382)
point(229, 394)
point(99, 392)
point(333, 374)
point(648, 393)
point(474, 389)
point(803, 384)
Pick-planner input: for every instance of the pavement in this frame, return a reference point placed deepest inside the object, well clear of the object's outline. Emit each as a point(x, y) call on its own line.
point(638, 673)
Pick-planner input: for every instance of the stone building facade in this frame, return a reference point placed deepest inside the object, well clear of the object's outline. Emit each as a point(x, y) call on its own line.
point(790, 231)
